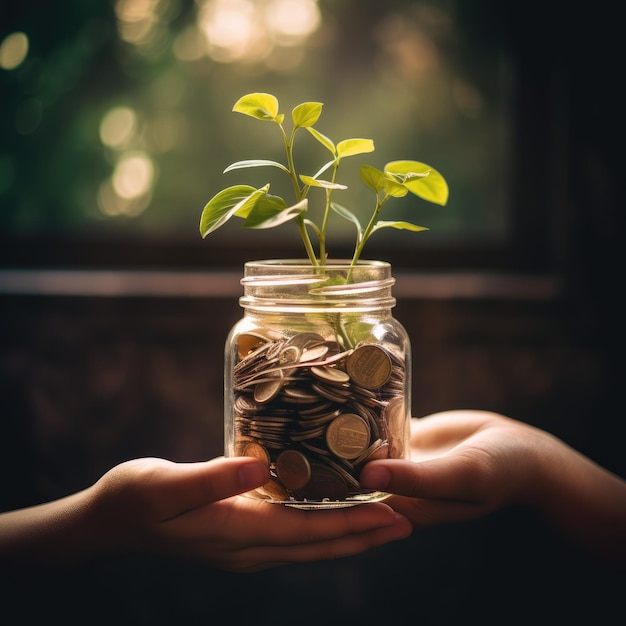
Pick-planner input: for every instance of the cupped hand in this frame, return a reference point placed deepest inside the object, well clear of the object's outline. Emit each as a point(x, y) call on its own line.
point(193, 511)
point(463, 465)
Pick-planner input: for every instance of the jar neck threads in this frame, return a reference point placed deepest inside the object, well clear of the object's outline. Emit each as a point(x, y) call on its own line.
point(292, 285)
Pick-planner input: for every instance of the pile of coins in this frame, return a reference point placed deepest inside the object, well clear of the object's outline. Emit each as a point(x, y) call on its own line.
point(315, 413)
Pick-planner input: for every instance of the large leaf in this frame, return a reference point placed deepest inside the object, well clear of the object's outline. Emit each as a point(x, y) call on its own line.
point(326, 184)
point(372, 177)
point(224, 204)
point(323, 139)
point(306, 114)
point(254, 163)
point(262, 106)
point(271, 211)
point(431, 187)
point(393, 187)
point(350, 147)
point(398, 225)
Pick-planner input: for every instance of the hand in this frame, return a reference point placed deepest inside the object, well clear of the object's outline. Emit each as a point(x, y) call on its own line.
point(466, 464)
point(191, 511)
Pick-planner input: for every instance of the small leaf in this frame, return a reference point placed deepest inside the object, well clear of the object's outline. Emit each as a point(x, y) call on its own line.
point(372, 177)
point(350, 147)
point(326, 184)
point(306, 114)
point(325, 141)
point(254, 163)
point(262, 106)
point(222, 206)
point(324, 168)
point(399, 225)
point(346, 214)
point(432, 187)
point(271, 214)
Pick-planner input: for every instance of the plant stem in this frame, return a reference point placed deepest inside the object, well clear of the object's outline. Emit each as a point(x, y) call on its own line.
point(368, 230)
point(304, 234)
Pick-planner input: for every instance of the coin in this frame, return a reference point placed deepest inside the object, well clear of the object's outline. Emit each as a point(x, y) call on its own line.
point(274, 490)
point(395, 417)
point(257, 451)
point(369, 365)
point(348, 435)
point(266, 391)
point(293, 469)
point(315, 412)
point(324, 484)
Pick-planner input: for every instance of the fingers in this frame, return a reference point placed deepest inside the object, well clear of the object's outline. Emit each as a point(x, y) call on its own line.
point(255, 522)
point(264, 535)
point(169, 489)
point(261, 558)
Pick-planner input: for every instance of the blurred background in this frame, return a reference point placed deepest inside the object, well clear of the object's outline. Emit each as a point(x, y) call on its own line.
point(115, 128)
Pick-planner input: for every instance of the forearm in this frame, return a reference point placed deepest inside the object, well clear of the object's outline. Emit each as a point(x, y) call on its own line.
point(60, 532)
point(583, 501)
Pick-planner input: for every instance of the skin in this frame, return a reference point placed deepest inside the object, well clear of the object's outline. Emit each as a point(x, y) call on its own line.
point(189, 511)
point(466, 464)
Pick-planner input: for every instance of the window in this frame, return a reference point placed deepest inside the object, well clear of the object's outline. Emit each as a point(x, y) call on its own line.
point(116, 125)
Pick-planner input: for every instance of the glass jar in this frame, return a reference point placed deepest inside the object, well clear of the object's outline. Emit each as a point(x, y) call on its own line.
point(317, 379)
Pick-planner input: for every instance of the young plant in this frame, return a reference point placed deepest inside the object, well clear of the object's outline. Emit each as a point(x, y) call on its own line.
point(260, 209)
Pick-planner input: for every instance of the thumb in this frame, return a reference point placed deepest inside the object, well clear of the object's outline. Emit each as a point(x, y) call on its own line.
point(175, 488)
point(434, 479)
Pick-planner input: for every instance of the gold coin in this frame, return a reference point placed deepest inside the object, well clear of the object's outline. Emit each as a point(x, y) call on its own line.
point(369, 365)
point(257, 451)
point(293, 469)
point(324, 484)
point(348, 435)
point(274, 490)
point(248, 342)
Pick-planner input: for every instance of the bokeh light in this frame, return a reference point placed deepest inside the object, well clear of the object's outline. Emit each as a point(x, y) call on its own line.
point(13, 50)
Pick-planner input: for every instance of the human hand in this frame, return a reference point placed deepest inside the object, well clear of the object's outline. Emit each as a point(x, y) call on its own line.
point(191, 511)
point(465, 464)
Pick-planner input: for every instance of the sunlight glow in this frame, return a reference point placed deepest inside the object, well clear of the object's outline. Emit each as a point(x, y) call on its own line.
point(118, 127)
point(13, 50)
point(133, 175)
point(251, 30)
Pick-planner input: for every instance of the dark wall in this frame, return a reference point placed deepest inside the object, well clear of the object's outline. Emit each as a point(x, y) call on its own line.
point(89, 382)
point(86, 383)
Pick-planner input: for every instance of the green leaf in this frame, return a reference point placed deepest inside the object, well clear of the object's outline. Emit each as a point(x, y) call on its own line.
point(254, 163)
point(324, 168)
point(245, 207)
point(223, 205)
point(393, 187)
point(262, 106)
point(398, 225)
point(431, 187)
point(270, 212)
point(350, 147)
point(372, 177)
point(347, 215)
point(326, 184)
point(325, 141)
point(306, 114)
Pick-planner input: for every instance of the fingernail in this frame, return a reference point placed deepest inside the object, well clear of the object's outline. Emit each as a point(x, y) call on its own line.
point(252, 475)
point(375, 477)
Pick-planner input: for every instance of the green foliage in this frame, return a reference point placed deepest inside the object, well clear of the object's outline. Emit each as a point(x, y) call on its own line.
point(259, 209)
